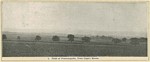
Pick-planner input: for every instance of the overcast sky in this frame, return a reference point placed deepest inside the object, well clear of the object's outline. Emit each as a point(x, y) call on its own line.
point(74, 17)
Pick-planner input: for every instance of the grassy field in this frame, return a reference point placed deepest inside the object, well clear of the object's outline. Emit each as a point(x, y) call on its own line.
point(45, 49)
point(28, 47)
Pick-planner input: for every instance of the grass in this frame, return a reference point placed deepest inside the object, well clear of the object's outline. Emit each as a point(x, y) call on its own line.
point(44, 49)
point(27, 47)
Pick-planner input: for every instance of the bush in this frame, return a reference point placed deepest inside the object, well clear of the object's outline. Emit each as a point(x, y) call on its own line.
point(86, 39)
point(115, 40)
point(37, 38)
point(4, 37)
point(55, 38)
point(70, 37)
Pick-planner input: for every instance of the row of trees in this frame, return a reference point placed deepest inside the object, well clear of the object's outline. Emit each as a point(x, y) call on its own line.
point(54, 38)
point(71, 37)
point(116, 40)
point(134, 41)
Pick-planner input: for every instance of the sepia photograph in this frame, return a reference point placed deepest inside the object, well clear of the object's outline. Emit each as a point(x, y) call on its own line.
point(74, 29)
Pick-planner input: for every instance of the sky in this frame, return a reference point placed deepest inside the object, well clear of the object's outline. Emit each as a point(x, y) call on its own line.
point(75, 17)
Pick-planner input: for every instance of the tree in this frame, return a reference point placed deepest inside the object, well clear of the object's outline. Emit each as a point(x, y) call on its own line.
point(4, 37)
point(142, 39)
point(55, 38)
point(18, 37)
point(103, 36)
point(97, 36)
point(86, 39)
point(37, 38)
point(134, 41)
point(70, 37)
point(124, 39)
point(115, 40)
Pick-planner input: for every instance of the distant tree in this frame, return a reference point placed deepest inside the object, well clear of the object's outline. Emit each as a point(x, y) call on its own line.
point(142, 39)
point(86, 39)
point(103, 36)
point(115, 40)
point(97, 36)
point(134, 41)
point(18, 37)
point(124, 39)
point(38, 38)
point(70, 37)
point(4, 37)
point(55, 38)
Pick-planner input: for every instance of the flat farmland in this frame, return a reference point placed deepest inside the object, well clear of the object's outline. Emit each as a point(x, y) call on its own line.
point(46, 49)
point(28, 47)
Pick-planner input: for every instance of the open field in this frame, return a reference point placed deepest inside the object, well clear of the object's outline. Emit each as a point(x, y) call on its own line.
point(45, 49)
point(28, 47)
point(45, 29)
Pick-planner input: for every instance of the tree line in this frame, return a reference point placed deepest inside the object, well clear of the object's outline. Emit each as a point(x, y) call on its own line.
point(134, 41)
point(54, 38)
